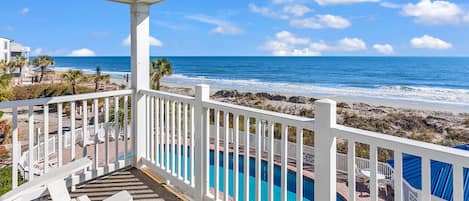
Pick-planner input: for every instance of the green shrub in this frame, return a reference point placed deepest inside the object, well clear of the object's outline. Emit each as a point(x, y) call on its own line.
point(5, 180)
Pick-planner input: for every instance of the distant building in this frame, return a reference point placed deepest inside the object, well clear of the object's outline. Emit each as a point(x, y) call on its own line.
point(9, 49)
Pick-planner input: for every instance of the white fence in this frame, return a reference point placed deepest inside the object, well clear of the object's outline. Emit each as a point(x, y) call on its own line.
point(178, 139)
point(64, 110)
point(173, 121)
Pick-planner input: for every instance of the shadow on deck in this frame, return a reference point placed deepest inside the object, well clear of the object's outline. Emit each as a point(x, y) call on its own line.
point(137, 183)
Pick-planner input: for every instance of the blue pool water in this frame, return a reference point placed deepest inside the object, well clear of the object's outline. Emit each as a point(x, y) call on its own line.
point(308, 184)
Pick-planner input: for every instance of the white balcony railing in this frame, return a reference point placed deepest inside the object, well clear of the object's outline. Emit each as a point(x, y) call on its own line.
point(77, 142)
point(190, 141)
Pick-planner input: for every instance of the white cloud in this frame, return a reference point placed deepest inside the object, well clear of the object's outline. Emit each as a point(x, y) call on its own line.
point(37, 51)
point(321, 21)
point(287, 44)
point(296, 10)
point(343, 45)
point(466, 18)
point(221, 26)
point(430, 42)
point(25, 11)
point(265, 11)
point(41, 51)
point(282, 1)
point(153, 41)
point(334, 2)
point(287, 37)
point(434, 12)
point(83, 52)
point(390, 5)
point(384, 48)
point(351, 44)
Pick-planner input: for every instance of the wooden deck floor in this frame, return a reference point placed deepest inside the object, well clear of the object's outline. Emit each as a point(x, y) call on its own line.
point(137, 183)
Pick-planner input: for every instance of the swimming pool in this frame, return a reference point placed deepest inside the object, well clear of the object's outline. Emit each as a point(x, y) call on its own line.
point(308, 183)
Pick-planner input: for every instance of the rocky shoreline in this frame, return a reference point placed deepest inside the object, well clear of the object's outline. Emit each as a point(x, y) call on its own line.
point(439, 127)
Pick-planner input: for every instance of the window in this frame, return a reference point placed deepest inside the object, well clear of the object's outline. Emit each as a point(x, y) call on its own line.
point(6, 45)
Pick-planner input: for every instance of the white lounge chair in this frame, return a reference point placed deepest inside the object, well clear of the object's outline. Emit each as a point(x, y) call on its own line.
point(58, 191)
point(54, 183)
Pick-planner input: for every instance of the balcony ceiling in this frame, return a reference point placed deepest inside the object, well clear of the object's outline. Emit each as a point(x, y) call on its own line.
point(137, 1)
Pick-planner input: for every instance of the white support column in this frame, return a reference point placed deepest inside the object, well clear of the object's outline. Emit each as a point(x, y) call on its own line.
point(140, 62)
point(202, 93)
point(325, 151)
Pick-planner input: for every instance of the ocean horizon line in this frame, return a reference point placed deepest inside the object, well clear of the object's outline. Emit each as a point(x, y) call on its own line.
point(270, 56)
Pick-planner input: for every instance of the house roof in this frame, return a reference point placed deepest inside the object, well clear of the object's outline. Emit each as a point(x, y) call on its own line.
point(441, 175)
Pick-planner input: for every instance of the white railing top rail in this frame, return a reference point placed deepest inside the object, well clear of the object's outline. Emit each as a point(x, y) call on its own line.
point(62, 99)
point(303, 122)
point(170, 96)
point(408, 146)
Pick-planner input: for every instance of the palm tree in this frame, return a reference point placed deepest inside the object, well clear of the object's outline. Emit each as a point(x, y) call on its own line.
point(43, 62)
point(20, 63)
point(6, 66)
point(159, 69)
point(3, 65)
point(74, 77)
point(97, 79)
point(5, 87)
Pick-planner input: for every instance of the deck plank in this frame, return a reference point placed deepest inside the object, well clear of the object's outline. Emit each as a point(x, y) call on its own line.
point(138, 184)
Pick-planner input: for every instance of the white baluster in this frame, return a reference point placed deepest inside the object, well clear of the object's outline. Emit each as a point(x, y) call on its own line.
point(106, 133)
point(374, 170)
point(178, 142)
point(31, 143)
point(157, 131)
point(217, 153)
point(398, 176)
point(16, 149)
point(226, 154)
point(284, 168)
point(426, 179)
point(126, 132)
point(116, 131)
point(270, 170)
point(299, 164)
point(458, 182)
point(246, 157)
point(236, 157)
point(96, 136)
point(173, 138)
point(258, 158)
point(351, 170)
point(85, 128)
point(167, 136)
point(46, 138)
point(184, 150)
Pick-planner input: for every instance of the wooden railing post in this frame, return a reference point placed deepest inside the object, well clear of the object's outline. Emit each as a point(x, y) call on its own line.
point(202, 93)
point(325, 151)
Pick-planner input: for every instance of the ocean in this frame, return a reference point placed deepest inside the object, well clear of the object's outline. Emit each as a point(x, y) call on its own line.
point(432, 80)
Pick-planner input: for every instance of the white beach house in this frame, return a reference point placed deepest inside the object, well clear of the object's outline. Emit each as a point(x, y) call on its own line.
point(202, 149)
point(9, 50)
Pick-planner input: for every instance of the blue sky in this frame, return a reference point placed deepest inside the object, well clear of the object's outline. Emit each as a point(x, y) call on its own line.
point(245, 27)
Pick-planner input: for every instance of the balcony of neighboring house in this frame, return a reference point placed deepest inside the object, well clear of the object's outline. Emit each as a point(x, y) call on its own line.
point(17, 50)
point(142, 144)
